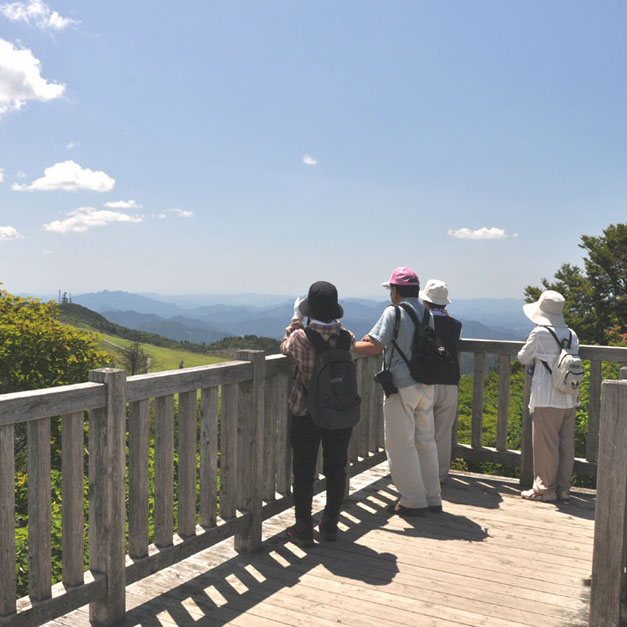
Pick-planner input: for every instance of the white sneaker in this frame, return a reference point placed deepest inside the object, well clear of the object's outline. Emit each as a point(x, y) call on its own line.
point(563, 495)
point(532, 495)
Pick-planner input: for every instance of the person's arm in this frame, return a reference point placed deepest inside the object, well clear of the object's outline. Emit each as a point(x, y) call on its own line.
point(368, 346)
point(528, 352)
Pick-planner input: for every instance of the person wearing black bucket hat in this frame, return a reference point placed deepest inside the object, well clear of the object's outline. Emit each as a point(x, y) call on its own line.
point(323, 310)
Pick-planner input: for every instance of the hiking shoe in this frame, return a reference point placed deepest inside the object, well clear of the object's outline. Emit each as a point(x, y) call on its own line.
point(563, 494)
point(401, 510)
point(532, 495)
point(328, 527)
point(301, 534)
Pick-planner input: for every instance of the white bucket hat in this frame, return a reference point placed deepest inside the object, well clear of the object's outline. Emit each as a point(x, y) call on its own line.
point(435, 292)
point(547, 309)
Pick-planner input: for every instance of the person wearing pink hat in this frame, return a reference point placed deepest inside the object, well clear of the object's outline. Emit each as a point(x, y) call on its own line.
point(552, 411)
point(408, 405)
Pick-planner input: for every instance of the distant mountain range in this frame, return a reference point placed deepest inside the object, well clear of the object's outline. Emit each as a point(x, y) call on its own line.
point(201, 319)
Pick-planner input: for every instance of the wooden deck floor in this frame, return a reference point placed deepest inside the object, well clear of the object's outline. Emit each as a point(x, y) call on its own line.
point(490, 559)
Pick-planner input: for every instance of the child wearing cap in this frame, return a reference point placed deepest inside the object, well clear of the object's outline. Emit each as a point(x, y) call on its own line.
point(446, 392)
point(408, 411)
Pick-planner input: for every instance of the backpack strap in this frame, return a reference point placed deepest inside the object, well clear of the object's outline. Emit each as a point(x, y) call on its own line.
point(411, 312)
point(559, 343)
point(316, 340)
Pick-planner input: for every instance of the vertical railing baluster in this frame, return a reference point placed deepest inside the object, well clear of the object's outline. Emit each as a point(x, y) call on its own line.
point(284, 449)
point(526, 442)
point(73, 542)
point(7, 521)
point(477, 400)
point(164, 470)
point(594, 410)
point(187, 463)
point(270, 439)
point(39, 516)
point(138, 480)
point(208, 456)
point(503, 402)
point(228, 450)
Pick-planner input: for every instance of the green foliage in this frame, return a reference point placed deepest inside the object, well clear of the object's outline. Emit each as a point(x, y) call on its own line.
point(596, 298)
point(37, 351)
point(229, 345)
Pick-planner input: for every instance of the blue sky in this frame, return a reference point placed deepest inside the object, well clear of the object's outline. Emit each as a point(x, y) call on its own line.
point(259, 146)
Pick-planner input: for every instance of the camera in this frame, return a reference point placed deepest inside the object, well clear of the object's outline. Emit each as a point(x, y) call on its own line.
point(384, 378)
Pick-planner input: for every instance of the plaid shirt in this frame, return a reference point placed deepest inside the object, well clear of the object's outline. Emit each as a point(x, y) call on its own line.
point(296, 345)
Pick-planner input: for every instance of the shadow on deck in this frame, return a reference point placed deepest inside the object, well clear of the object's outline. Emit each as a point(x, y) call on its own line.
point(489, 559)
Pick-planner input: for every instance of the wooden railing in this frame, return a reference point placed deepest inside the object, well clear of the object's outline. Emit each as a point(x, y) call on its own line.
point(505, 352)
point(609, 566)
point(229, 419)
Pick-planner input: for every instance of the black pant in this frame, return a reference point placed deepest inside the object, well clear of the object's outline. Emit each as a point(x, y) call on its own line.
point(305, 438)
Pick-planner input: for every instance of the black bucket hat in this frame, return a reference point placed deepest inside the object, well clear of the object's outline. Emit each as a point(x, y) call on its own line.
point(321, 302)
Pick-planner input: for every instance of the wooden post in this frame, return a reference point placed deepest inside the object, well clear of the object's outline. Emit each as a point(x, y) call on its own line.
point(608, 560)
point(526, 443)
point(594, 408)
point(39, 517)
point(7, 521)
point(477, 400)
point(72, 498)
point(252, 467)
point(107, 434)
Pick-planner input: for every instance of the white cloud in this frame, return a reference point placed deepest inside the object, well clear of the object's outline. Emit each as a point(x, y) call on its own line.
point(122, 204)
point(482, 233)
point(83, 219)
point(69, 176)
point(21, 174)
point(71, 145)
point(8, 232)
point(181, 213)
point(1, 175)
point(35, 12)
point(46, 252)
point(309, 160)
point(21, 80)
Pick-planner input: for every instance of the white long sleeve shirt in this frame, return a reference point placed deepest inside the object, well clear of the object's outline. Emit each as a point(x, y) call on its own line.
point(541, 346)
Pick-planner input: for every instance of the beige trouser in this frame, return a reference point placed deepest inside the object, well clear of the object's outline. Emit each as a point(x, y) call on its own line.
point(444, 414)
point(553, 432)
point(410, 445)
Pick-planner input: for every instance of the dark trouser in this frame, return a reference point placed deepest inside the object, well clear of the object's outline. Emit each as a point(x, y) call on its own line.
point(305, 438)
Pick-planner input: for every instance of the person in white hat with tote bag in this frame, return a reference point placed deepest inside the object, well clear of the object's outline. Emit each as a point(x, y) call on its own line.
point(552, 411)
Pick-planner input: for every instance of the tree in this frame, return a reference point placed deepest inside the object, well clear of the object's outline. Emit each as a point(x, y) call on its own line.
point(135, 360)
point(37, 351)
point(596, 297)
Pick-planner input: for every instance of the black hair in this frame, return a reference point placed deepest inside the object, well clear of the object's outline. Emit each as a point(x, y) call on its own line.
point(407, 291)
point(434, 306)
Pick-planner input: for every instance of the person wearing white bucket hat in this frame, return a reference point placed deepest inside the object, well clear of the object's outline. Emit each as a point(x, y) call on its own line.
point(446, 390)
point(552, 411)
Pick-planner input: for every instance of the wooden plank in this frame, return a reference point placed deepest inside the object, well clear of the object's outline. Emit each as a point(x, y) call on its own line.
point(159, 558)
point(478, 375)
point(366, 395)
point(39, 517)
point(36, 404)
point(594, 410)
point(63, 599)
point(503, 402)
point(107, 515)
point(7, 521)
point(270, 438)
point(187, 379)
point(138, 485)
point(284, 450)
point(611, 506)
point(279, 365)
point(228, 450)
point(526, 461)
point(371, 412)
point(73, 541)
point(164, 470)
point(187, 463)
point(253, 441)
point(208, 456)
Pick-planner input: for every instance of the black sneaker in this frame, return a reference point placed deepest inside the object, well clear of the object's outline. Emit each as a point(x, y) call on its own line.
point(301, 534)
point(401, 510)
point(328, 527)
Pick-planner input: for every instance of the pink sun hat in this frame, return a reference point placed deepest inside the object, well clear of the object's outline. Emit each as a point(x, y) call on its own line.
point(403, 276)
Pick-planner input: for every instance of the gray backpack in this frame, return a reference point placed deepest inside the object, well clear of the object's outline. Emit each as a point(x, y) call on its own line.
point(332, 398)
point(566, 371)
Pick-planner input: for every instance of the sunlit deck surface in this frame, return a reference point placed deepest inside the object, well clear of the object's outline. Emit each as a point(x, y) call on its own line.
point(490, 559)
